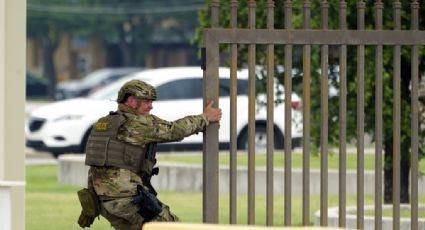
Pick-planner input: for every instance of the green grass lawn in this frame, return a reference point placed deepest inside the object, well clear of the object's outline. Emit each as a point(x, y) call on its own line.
point(52, 206)
point(278, 161)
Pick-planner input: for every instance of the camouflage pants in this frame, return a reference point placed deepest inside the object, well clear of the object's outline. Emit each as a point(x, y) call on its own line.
point(122, 214)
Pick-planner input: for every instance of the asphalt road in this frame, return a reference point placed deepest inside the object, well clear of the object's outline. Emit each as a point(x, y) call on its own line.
point(38, 158)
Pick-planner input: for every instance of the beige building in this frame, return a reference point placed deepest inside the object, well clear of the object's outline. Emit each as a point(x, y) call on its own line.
point(73, 58)
point(76, 56)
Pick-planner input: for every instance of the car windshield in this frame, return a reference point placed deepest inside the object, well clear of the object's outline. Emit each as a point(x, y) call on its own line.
point(109, 92)
point(96, 77)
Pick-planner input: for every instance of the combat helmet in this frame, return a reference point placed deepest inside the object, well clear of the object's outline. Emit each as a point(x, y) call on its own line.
point(137, 88)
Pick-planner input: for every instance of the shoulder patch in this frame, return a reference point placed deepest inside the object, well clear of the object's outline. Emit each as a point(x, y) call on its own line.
point(101, 126)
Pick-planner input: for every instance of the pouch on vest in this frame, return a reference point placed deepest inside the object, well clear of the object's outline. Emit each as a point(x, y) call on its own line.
point(89, 202)
point(90, 205)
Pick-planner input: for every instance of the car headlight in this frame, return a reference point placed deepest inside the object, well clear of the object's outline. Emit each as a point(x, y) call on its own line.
point(68, 117)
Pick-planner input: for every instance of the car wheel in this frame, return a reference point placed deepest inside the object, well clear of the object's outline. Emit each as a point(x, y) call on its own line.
point(260, 138)
point(56, 154)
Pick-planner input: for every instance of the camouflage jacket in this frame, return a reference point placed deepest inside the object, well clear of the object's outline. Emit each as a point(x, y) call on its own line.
point(140, 130)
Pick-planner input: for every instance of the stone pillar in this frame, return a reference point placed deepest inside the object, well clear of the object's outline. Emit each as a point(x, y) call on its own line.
point(12, 111)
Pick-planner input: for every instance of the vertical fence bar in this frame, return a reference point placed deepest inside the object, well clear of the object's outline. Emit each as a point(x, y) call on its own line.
point(396, 121)
point(210, 148)
point(324, 6)
point(378, 120)
point(360, 119)
point(415, 123)
point(233, 116)
point(270, 116)
point(288, 117)
point(306, 118)
point(342, 118)
point(251, 118)
point(215, 13)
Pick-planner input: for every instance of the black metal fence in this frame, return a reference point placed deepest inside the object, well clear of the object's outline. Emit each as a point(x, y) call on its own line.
point(287, 36)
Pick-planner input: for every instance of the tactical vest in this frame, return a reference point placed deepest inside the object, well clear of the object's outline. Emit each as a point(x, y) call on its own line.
point(103, 148)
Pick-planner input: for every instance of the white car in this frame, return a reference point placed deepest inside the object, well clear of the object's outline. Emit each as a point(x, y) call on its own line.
point(65, 125)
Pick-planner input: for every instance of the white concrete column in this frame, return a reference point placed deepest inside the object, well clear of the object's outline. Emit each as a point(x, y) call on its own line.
point(5, 209)
point(12, 109)
point(6, 203)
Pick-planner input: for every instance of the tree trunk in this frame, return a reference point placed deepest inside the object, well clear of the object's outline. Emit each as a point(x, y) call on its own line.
point(125, 46)
point(388, 173)
point(388, 176)
point(404, 181)
point(126, 53)
point(49, 66)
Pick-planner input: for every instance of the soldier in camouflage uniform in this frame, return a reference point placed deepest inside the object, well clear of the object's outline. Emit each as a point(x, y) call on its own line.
point(117, 152)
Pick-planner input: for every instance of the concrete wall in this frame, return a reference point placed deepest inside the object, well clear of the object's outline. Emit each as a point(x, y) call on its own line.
point(369, 220)
point(12, 101)
point(188, 178)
